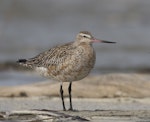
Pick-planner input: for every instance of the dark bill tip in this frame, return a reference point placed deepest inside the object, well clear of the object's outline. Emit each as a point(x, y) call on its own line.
point(103, 41)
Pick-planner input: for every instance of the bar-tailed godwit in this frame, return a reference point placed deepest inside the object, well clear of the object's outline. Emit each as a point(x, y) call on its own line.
point(66, 63)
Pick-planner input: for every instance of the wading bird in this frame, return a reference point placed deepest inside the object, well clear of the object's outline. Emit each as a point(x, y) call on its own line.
point(66, 63)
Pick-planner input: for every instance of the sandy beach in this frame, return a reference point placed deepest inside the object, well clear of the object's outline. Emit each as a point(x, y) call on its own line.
point(104, 86)
point(120, 97)
point(118, 87)
point(44, 109)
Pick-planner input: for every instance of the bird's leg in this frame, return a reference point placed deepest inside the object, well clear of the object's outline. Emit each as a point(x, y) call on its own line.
point(62, 97)
point(69, 90)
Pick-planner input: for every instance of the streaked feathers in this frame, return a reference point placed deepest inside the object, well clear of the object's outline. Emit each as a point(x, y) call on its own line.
point(69, 62)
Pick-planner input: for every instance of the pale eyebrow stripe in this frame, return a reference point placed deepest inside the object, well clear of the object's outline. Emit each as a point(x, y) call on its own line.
point(86, 35)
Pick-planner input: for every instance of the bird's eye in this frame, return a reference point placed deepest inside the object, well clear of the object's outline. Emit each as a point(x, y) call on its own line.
point(85, 36)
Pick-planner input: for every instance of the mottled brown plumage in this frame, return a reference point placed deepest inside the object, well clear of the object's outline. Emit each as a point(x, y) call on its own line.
point(66, 63)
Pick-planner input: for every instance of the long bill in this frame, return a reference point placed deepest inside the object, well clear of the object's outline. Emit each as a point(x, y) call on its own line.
point(102, 41)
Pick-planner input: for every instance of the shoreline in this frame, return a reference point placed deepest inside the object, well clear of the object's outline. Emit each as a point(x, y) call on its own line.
point(50, 109)
point(106, 98)
point(94, 86)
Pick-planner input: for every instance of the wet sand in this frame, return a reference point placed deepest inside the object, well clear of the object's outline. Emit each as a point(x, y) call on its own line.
point(116, 97)
point(49, 109)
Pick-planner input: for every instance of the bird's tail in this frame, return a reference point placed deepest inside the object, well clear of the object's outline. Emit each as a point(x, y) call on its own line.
point(22, 61)
point(25, 62)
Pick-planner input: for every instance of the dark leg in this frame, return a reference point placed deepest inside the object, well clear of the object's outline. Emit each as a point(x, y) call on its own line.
point(62, 97)
point(69, 90)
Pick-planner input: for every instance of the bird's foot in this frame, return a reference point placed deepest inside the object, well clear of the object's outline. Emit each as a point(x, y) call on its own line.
point(64, 109)
point(71, 109)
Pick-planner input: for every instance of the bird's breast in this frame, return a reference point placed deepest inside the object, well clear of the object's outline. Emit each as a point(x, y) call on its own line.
point(83, 61)
point(75, 67)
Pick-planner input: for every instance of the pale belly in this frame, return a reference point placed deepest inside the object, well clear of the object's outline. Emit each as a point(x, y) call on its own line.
point(65, 77)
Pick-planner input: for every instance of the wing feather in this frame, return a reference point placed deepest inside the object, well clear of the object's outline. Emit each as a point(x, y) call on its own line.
point(53, 56)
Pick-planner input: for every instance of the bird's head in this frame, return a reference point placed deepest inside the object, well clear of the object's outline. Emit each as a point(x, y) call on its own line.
point(86, 37)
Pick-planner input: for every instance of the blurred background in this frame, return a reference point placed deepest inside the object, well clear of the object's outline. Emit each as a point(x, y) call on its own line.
point(28, 27)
